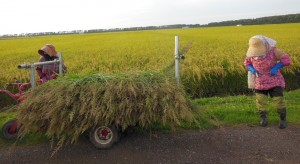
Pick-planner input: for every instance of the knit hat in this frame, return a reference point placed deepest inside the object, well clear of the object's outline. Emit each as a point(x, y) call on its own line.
point(259, 45)
point(48, 49)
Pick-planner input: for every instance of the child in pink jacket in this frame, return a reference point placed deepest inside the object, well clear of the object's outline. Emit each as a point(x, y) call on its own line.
point(265, 60)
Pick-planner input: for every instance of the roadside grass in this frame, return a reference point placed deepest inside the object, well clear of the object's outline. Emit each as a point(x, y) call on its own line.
point(30, 139)
point(210, 112)
point(237, 110)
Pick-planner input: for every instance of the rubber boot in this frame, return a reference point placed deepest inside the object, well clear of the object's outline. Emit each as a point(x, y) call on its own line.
point(282, 115)
point(264, 120)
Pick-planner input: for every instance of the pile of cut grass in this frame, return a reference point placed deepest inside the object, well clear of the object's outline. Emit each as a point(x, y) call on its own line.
point(69, 106)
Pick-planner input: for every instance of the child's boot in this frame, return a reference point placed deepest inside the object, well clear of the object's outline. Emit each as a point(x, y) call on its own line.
point(264, 120)
point(282, 115)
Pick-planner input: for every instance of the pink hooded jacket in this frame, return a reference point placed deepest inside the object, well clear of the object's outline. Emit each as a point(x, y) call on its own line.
point(263, 65)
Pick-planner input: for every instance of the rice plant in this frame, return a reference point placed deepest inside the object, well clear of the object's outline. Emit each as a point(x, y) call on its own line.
point(213, 65)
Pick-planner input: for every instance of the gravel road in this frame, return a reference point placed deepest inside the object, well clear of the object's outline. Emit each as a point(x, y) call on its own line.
point(230, 145)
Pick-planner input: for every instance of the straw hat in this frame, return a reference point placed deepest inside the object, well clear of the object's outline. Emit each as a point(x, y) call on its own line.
point(256, 47)
point(48, 49)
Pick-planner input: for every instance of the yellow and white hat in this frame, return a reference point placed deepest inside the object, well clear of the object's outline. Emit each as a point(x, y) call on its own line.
point(259, 45)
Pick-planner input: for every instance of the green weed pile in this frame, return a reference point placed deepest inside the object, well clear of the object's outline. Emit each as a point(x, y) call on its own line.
point(69, 106)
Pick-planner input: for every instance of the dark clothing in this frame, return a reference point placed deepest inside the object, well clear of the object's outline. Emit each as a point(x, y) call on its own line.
point(273, 92)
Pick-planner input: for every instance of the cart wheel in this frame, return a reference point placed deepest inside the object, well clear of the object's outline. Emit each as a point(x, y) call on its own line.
point(10, 129)
point(103, 137)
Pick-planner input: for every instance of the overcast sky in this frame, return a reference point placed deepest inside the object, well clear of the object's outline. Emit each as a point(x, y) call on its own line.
point(26, 16)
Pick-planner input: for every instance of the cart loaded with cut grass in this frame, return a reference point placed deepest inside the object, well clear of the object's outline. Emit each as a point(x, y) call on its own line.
point(103, 106)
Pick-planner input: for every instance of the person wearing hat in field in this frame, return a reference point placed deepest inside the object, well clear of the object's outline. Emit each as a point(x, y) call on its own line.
point(49, 71)
point(264, 60)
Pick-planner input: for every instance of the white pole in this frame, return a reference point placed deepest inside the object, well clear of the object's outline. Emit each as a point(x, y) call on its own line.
point(177, 59)
point(32, 74)
point(60, 63)
point(28, 65)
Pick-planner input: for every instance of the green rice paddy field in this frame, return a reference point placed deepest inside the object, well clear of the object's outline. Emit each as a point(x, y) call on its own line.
point(213, 64)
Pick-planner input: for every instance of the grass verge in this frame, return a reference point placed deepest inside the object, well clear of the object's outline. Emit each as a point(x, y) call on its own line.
point(236, 110)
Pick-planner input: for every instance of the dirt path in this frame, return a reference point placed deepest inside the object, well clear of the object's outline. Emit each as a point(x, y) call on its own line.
point(224, 145)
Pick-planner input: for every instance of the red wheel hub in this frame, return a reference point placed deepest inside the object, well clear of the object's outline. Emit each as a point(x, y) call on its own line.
point(104, 132)
point(13, 129)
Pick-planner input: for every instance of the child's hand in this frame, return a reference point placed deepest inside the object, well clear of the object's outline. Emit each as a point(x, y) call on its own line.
point(274, 70)
point(252, 69)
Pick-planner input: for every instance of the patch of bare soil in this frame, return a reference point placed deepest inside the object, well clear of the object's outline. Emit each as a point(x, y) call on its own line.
point(223, 145)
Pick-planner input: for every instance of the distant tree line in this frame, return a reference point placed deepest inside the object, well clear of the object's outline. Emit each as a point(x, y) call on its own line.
point(290, 18)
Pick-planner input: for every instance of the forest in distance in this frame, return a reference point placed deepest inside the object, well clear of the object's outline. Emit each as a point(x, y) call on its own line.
point(278, 19)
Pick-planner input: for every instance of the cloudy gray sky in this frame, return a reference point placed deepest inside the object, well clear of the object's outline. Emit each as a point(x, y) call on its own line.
point(25, 16)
